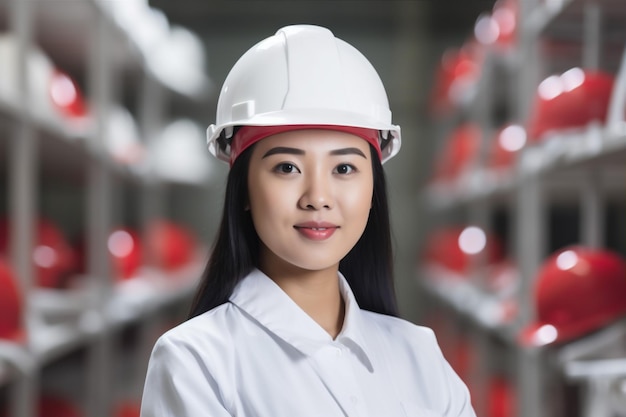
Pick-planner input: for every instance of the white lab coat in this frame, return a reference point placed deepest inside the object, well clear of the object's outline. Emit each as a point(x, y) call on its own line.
point(260, 355)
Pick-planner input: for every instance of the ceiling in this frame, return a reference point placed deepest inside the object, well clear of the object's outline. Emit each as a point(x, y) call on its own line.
point(226, 16)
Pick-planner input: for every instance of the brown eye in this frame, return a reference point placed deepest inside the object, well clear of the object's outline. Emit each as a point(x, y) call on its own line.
point(344, 169)
point(286, 168)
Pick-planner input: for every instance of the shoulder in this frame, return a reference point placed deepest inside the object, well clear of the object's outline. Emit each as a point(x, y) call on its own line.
point(208, 332)
point(192, 364)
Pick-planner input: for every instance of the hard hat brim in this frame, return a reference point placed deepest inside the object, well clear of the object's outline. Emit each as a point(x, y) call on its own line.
point(307, 117)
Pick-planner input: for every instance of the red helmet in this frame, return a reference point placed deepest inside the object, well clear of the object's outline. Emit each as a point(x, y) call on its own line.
point(499, 27)
point(456, 248)
point(578, 290)
point(505, 15)
point(570, 100)
point(54, 258)
point(458, 152)
point(127, 409)
point(126, 252)
point(170, 245)
point(66, 96)
point(509, 140)
point(10, 305)
point(458, 69)
point(53, 406)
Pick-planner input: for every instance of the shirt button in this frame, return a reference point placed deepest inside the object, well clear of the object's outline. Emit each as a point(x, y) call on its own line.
point(338, 352)
point(354, 399)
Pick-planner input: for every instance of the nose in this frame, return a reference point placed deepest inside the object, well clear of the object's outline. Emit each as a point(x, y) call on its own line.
point(316, 194)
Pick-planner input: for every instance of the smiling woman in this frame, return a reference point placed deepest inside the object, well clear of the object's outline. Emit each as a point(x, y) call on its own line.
point(310, 197)
point(296, 313)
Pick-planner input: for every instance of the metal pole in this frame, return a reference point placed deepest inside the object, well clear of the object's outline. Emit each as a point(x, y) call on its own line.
point(22, 196)
point(99, 213)
point(617, 105)
point(592, 36)
point(530, 249)
point(530, 384)
point(151, 114)
point(530, 219)
point(592, 205)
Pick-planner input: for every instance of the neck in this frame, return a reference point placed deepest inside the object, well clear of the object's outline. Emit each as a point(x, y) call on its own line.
point(315, 292)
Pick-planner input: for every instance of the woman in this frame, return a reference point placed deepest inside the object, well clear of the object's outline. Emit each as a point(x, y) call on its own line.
point(295, 315)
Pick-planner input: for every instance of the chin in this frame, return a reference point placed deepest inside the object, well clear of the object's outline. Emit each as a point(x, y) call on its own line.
point(306, 258)
point(309, 263)
point(313, 265)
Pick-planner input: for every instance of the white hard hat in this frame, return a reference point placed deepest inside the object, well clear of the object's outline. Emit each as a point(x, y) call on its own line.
point(303, 75)
point(178, 153)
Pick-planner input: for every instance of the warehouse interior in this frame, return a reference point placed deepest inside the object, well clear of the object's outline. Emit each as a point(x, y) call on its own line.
point(507, 200)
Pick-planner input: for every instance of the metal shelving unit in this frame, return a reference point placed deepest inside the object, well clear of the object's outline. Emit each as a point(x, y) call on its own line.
point(84, 39)
point(583, 168)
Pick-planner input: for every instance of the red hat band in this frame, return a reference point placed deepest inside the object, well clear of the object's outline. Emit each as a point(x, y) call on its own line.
point(246, 136)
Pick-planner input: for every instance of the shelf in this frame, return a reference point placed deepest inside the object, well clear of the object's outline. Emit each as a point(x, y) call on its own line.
point(564, 18)
point(62, 151)
point(495, 186)
point(71, 320)
point(561, 158)
point(591, 148)
point(85, 40)
point(605, 368)
point(50, 342)
point(51, 124)
point(65, 30)
point(580, 171)
point(484, 311)
point(154, 290)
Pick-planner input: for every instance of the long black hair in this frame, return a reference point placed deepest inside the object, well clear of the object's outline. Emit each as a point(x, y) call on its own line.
point(368, 267)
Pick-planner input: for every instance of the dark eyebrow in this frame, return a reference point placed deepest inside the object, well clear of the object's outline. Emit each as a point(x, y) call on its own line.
point(348, 151)
point(295, 151)
point(283, 149)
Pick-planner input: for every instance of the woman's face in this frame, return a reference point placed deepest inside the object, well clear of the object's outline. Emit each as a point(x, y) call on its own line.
point(310, 194)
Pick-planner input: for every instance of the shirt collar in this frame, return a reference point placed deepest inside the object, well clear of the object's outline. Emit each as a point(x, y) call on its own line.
point(268, 304)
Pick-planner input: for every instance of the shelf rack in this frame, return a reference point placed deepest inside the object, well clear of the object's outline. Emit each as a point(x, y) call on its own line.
point(584, 168)
point(83, 38)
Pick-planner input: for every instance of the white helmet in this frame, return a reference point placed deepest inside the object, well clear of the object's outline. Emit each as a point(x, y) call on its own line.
point(303, 75)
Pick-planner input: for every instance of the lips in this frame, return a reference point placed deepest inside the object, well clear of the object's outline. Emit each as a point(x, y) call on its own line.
point(316, 230)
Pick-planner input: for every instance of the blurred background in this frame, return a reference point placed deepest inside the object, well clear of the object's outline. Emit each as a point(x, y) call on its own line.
point(508, 199)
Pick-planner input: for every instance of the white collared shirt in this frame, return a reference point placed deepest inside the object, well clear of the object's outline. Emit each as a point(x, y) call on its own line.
point(260, 355)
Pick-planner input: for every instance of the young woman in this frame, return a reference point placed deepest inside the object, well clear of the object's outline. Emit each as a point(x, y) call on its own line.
point(296, 315)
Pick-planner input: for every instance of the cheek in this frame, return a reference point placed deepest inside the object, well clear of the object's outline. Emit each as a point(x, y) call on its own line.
point(260, 202)
point(358, 198)
point(264, 196)
point(267, 201)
